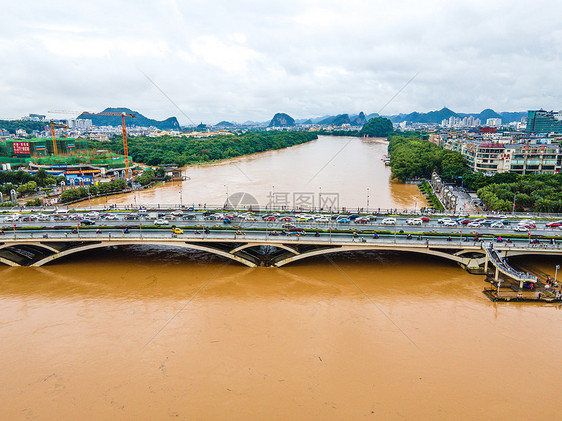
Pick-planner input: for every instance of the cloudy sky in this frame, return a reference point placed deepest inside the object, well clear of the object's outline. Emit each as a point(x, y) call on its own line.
point(246, 60)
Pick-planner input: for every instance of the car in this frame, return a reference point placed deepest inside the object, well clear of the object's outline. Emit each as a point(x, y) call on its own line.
point(424, 219)
point(289, 227)
point(521, 228)
point(131, 216)
point(443, 220)
point(87, 222)
point(362, 220)
point(449, 223)
point(227, 221)
point(160, 222)
point(527, 225)
point(414, 221)
point(177, 230)
point(111, 217)
point(498, 224)
point(555, 224)
point(323, 220)
point(343, 221)
point(464, 221)
point(169, 217)
point(286, 219)
point(473, 224)
point(353, 216)
point(177, 213)
point(269, 218)
point(389, 221)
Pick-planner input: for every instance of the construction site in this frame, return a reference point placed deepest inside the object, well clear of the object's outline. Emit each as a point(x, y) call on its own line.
point(61, 155)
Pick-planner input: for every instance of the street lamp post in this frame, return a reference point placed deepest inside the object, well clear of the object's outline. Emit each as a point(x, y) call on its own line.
point(556, 273)
point(367, 199)
point(513, 212)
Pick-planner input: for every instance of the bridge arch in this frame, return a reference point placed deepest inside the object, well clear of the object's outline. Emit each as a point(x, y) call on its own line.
point(102, 244)
point(323, 251)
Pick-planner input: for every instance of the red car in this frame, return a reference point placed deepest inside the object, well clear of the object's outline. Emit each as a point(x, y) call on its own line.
point(424, 219)
point(269, 218)
point(528, 225)
point(286, 219)
point(554, 224)
point(465, 221)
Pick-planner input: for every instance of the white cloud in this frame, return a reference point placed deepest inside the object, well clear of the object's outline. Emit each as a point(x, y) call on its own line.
point(247, 60)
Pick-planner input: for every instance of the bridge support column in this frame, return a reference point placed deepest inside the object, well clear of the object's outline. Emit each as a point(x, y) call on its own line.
point(497, 274)
point(520, 285)
point(486, 263)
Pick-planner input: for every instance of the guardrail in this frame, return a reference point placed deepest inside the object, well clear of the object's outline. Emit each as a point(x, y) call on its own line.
point(503, 267)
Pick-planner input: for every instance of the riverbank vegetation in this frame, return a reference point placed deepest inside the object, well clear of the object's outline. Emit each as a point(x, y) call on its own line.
point(72, 195)
point(182, 151)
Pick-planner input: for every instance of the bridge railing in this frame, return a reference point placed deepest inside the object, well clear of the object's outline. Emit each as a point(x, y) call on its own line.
point(502, 265)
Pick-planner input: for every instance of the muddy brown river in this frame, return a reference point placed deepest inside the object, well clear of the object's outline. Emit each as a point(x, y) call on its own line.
point(351, 169)
point(145, 333)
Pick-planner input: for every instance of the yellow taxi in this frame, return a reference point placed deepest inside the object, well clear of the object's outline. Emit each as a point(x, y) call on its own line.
point(177, 231)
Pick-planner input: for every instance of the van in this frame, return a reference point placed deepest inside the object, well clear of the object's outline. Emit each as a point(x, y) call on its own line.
point(152, 216)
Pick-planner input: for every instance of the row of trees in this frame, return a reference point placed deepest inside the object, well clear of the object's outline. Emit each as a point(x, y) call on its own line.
point(538, 193)
point(414, 157)
point(29, 126)
point(70, 195)
point(183, 151)
point(24, 182)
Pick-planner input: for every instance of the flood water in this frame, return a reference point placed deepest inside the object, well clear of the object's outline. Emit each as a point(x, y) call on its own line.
point(144, 333)
point(350, 167)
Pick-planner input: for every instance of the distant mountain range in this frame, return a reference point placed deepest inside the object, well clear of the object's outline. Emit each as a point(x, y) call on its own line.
point(139, 120)
point(436, 117)
point(285, 120)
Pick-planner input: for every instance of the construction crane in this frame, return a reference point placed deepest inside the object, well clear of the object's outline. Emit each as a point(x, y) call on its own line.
point(53, 134)
point(123, 125)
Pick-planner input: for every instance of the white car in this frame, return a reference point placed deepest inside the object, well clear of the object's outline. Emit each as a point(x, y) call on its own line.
point(497, 225)
point(11, 218)
point(389, 221)
point(414, 221)
point(473, 224)
point(520, 228)
point(92, 215)
point(449, 223)
point(444, 220)
point(177, 213)
point(111, 217)
point(160, 222)
point(322, 220)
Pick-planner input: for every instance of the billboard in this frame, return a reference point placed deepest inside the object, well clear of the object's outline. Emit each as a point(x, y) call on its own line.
point(21, 148)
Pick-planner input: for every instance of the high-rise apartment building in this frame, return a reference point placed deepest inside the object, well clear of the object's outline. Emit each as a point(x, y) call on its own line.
point(544, 122)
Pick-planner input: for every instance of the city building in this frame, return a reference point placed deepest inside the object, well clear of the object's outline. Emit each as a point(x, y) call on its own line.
point(544, 122)
point(527, 156)
point(494, 122)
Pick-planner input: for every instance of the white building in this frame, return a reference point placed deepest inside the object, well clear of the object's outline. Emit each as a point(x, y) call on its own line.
point(494, 122)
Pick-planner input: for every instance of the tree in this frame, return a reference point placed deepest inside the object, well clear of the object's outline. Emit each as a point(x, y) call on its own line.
point(377, 127)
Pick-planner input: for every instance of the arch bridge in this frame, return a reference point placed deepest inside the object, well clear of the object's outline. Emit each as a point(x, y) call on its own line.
point(258, 248)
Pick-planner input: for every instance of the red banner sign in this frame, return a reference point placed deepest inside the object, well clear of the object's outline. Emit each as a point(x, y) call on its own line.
point(21, 148)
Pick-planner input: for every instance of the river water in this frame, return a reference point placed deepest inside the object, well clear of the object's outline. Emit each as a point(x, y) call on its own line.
point(350, 168)
point(143, 333)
